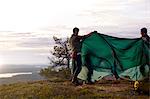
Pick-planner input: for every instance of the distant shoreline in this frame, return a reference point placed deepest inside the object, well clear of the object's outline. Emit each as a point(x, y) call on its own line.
point(20, 73)
point(8, 75)
point(22, 77)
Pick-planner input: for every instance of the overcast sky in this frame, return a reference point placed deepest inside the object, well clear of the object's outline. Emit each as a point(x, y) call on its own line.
point(27, 26)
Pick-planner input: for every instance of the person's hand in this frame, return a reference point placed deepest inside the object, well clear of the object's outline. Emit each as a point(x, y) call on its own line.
point(89, 34)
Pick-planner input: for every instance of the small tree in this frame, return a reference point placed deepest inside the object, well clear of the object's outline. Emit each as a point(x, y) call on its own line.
point(61, 53)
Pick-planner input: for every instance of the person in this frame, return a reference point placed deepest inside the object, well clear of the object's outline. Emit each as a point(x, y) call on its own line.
point(75, 42)
point(146, 39)
point(142, 85)
point(144, 35)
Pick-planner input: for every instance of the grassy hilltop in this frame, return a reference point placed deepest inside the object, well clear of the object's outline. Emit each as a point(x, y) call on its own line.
point(59, 87)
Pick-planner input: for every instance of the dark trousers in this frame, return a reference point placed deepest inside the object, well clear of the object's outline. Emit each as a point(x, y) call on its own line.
point(76, 67)
point(90, 68)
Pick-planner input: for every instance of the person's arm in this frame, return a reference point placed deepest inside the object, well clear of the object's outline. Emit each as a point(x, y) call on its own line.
point(85, 36)
point(146, 39)
point(90, 34)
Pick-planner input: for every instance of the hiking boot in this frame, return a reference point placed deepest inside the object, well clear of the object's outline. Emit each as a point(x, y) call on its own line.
point(74, 79)
point(89, 82)
point(76, 83)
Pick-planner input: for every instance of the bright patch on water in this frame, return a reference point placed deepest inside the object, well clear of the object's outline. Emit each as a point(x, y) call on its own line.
point(7, 75)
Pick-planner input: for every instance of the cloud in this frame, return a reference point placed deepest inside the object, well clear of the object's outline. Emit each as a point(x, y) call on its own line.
point(27, 28)
point(58, 30)
point(28, 34)
point(25, 57)
point(116, 12)
point(36, 42)
point(24, 41)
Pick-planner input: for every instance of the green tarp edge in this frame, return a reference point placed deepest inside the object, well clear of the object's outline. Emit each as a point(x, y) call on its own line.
point(111, 55)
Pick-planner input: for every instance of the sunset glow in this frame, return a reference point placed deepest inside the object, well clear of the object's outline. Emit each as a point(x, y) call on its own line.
point(1, 62)
point(27, 26)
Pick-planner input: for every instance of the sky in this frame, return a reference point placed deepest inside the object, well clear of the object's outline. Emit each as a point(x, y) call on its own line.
point(27, 26)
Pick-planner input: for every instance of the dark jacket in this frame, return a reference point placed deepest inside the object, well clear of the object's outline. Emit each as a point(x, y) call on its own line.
point(75, 43)
point(146, 39)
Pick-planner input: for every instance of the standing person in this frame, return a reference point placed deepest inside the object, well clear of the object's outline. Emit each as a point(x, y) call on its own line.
point(76, 43)
point(146, 39)
point(142, 85)
point(144, 35)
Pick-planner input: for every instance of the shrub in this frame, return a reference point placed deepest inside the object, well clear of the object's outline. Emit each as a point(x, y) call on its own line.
point(52, 72)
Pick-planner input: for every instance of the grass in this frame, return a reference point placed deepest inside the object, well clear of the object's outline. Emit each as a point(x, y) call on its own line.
point(57, 87)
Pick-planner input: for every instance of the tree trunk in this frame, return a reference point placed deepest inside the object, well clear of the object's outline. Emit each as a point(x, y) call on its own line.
point(68, 63)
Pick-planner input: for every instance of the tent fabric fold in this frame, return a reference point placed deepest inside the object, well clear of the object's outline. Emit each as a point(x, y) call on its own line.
point(104, 55)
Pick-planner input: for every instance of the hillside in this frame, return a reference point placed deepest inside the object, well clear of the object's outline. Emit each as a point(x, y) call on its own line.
point(65, 90)
point(59, 88)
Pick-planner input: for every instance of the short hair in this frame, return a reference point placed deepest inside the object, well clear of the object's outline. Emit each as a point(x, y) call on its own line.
point(75, 29)
point(144, 30)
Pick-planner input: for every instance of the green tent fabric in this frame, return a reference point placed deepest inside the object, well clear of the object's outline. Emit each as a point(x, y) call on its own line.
point(104, 55)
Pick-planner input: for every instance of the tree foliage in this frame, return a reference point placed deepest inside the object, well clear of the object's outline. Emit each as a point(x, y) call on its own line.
point(60, 53)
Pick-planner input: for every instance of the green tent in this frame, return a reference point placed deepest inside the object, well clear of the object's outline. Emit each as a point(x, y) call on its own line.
point(104, 55)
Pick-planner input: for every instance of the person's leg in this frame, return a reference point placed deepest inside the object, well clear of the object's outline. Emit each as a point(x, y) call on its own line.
point(73, 66)
point(78, 68)
point(79, 63)
point(89, 66)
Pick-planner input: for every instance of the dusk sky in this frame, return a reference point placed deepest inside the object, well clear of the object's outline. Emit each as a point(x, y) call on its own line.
point(27, 26)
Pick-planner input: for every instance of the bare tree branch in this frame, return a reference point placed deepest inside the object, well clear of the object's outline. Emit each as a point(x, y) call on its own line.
point(61, 51)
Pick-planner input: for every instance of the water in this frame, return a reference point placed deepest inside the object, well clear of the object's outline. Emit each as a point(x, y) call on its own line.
point(8, 75)
point(20, 73)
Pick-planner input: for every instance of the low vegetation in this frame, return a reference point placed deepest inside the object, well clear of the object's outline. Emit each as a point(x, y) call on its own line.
point(51, 73)
point(58, 86)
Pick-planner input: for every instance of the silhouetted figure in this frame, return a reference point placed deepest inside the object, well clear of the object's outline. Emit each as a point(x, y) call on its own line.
point(145, 37)
point(76, 43)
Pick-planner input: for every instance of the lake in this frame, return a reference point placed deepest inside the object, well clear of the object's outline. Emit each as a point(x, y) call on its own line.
point(20, 73)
